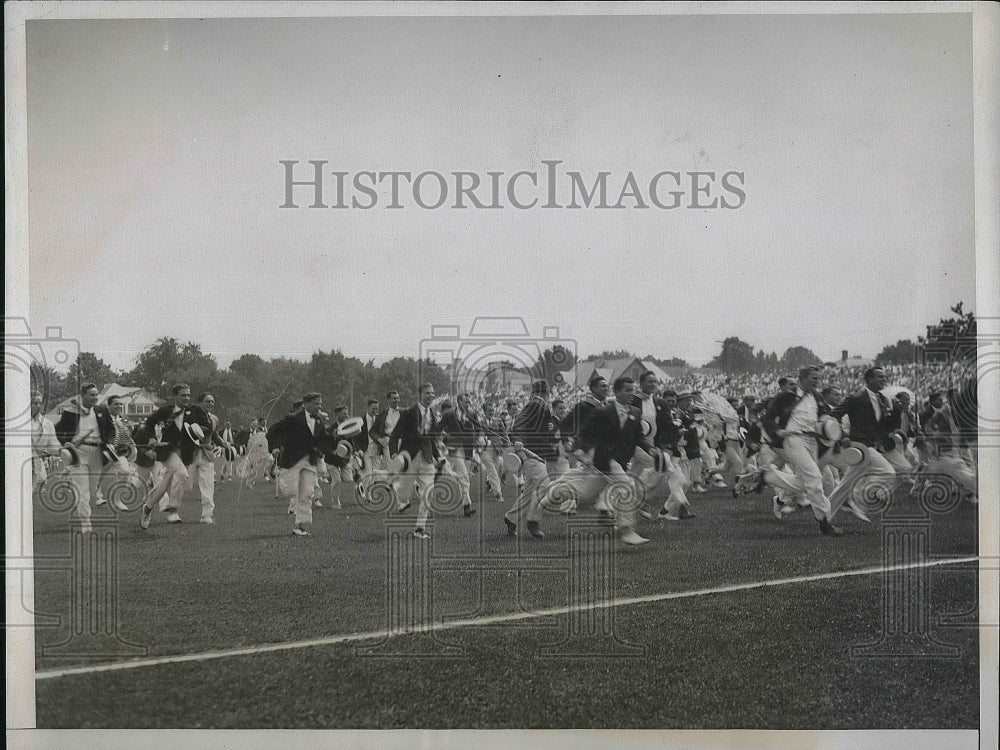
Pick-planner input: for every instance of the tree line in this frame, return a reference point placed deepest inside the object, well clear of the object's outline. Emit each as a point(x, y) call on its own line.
point(253, 386)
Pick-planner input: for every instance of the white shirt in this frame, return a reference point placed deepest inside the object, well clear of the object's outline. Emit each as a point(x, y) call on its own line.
point(43, 436)
point(88, 423)
point(804, 414)
point(311, 423)
point(426, 421)
point(391, 417)
point(873, 396)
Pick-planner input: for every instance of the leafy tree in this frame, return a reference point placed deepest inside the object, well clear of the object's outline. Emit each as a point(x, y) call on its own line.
point(89, 368)
point(168, 362)
point(736, 356)
point(902, 352)
point(798, 356)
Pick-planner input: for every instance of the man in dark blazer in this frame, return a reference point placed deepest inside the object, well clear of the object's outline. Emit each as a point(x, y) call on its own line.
point(382, 427)
point(607, 444)
point(85, 430)
point(584, 409)
point(459, 428)
point(533, 436)
point(172, 431)
point(873, 418)
point(415, 435)
point(301, 441)
point(666, 438)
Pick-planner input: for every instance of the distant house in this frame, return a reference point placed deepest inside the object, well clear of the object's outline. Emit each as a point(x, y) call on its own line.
point(610, 369)
point(139, 403)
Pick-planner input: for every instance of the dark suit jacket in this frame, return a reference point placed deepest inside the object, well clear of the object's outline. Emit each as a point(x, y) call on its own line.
point(864, 428)
point(70, 419)
point(361, 441)
point(581, 413)
point(177, 440)
point(668, 433)
point(611, 441)
point(461, 430)
point(291, 436)
point(535, 426)
point(407, 436)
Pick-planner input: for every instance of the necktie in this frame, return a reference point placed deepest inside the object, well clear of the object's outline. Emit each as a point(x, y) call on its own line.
point(883, 403)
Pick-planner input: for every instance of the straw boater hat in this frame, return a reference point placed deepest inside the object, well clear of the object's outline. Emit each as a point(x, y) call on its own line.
point(400, 463)
point(69, 455)
point(350, 428)
point(830, 430)
point(854, 455)
point(194, 432)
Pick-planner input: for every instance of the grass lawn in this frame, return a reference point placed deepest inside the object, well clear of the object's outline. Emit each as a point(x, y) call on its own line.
point(770, 657)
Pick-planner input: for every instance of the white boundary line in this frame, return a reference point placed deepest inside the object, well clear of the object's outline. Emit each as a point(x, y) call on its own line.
point(479, 621)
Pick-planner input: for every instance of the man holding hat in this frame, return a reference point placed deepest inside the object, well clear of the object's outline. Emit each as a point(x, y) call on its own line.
point(414, 451)
point(301, 441)
point(791, 422)
point(84, 430)
point(692, 459)
point(873, 419)
point(203, 465)
point(459, 429)
point(175, 433)
point(533, 434)
point(608, 443)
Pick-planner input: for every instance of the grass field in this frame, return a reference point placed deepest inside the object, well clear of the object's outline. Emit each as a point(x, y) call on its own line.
point(680, 654)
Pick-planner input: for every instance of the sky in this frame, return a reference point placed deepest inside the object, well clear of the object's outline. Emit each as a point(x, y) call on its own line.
point(155, 181)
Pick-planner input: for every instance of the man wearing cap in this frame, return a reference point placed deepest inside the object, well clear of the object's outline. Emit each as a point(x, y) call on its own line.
point(84, 430)
point(791, 422)
point(44, 443)
point(608, 443)
point(300, 440)
point(872, 418)
point(175, 432)
point(413, 446)
point(533, 434)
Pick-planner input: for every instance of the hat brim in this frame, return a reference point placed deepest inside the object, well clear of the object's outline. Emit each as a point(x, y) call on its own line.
point(350, 428)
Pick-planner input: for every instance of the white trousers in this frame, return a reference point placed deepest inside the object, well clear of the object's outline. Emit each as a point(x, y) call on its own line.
point(588, 486)
point(875, 469)
point(419, 480)
point(800, 453)
point(203, 476)
point(170, 485)
point(297, 484)
point(86, 478)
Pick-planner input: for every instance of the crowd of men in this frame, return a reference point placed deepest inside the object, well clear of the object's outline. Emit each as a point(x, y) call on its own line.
point(628, 450)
